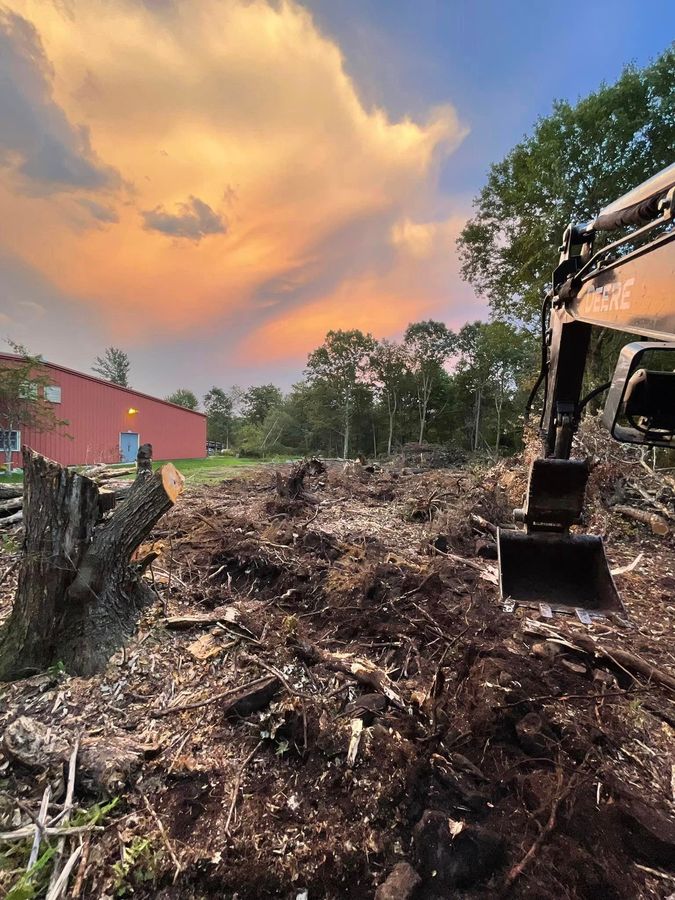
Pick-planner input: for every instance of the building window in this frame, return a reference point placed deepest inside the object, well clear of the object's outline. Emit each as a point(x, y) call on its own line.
point(53, 393)
point(11, 437)
point(28, 391)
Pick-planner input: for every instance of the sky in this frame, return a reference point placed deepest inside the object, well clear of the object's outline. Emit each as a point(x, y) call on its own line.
point(213, 184)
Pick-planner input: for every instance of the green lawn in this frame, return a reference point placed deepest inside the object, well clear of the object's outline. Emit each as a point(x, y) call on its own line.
point(5, 478)
point(212, 468)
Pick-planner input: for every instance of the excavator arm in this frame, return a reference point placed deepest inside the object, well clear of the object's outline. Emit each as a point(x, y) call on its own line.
point(626, 285)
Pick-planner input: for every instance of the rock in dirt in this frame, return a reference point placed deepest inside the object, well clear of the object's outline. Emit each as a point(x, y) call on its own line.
point(106, 762)
point(532, 735)
point(401, 883)
point(34, 745)
point(457, 858)
point(253, 696)
point(648, 834)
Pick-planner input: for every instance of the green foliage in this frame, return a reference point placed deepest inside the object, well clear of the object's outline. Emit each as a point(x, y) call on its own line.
point(139, 864)
point(219, 408)
point(33, 883)
point(183, 397)
point(577, 160)
point(341, 364)
point(22, 398)
point(113, 366)
point(258, 402)
point(428, 346)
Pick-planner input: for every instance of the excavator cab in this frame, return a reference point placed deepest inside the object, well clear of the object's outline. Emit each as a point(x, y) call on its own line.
point(625, 285)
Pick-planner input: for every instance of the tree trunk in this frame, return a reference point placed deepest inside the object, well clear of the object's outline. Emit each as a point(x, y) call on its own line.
point(374, 440)
point(392, 413)
point(79, 596)
point(477, 421)
point(498, 404)
point(345, 444)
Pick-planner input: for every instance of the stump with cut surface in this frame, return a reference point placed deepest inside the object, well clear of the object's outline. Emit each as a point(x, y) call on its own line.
point(79, 596)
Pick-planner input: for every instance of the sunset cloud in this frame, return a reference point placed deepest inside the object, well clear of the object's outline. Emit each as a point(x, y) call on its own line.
point(226, 172)
point(38, 144)
point(194, 219)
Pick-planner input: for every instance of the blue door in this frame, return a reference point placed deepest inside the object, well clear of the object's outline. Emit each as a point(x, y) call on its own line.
point(128, 446)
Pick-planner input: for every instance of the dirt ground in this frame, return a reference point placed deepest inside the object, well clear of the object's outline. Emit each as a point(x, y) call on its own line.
point(495, 761)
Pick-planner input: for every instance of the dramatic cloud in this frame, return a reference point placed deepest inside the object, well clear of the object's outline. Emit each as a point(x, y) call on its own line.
point(194, 220)
point(236, 130)
point(36, 139)
point(99, 211)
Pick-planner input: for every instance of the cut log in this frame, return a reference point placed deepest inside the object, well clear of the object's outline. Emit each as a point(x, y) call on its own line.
point(9, 506)
point(10, 491)
point(359, 668)
point(78, 597)
point(100, 474)
point(14, 519)
point(657, 524)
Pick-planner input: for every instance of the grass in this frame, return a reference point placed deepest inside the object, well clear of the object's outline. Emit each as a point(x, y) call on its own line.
point(210, 468)
point(14, 478)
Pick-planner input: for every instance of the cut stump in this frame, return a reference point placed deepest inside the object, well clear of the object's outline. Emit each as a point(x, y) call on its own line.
point(79, 596)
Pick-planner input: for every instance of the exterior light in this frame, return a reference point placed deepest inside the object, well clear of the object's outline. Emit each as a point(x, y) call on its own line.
point(132, 411)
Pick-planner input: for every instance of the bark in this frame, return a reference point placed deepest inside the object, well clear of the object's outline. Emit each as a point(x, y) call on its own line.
point(10, 492)
point(78, 596)
point(476, 427)
point(345, 444)
point(144, 460)
point(654, 520)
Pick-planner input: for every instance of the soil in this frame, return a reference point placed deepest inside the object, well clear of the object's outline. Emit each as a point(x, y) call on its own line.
point(506, 748)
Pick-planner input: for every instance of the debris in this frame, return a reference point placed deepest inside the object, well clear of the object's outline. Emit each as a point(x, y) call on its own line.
point(401, 883)
point(256, 696)
point(657, 523)
point(108, 761)
point(457, 860)
point(359, 668)
point(35, 745)
point(354, 741)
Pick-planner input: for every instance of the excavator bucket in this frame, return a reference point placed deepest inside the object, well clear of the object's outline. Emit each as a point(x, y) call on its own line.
point(567, 572)
point(545, 563)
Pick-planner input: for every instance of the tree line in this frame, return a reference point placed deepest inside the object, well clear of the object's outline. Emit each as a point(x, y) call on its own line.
point(360, 395)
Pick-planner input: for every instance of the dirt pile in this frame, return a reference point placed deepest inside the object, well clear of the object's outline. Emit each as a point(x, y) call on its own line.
point(327, 701)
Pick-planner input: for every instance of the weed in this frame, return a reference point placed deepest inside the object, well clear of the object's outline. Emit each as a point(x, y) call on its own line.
point(139, 864)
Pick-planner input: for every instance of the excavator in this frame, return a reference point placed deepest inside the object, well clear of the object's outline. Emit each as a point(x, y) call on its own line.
point(616, 272)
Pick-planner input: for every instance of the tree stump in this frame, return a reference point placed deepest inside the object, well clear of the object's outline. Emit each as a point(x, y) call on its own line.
point(144, 460)
point(79, 596)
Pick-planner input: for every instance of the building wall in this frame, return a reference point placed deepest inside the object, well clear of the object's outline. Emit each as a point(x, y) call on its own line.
point(97, 411)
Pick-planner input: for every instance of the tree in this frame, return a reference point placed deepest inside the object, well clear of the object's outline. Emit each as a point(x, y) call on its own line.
point(113, 366)
point(22, 399)
point(493, 357)
point(342, 361)
point(218, 406)
point(258, 401)
point(388, 364)
point(579, 158)
point(428, 346)
point(183, 397)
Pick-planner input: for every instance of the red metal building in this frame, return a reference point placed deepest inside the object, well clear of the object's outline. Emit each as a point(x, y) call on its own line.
point(107, 423)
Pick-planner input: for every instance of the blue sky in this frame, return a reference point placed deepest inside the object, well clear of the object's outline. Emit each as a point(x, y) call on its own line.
point(501, 64)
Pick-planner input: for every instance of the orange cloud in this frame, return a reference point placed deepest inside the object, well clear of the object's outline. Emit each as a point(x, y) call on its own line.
point(233, 175)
